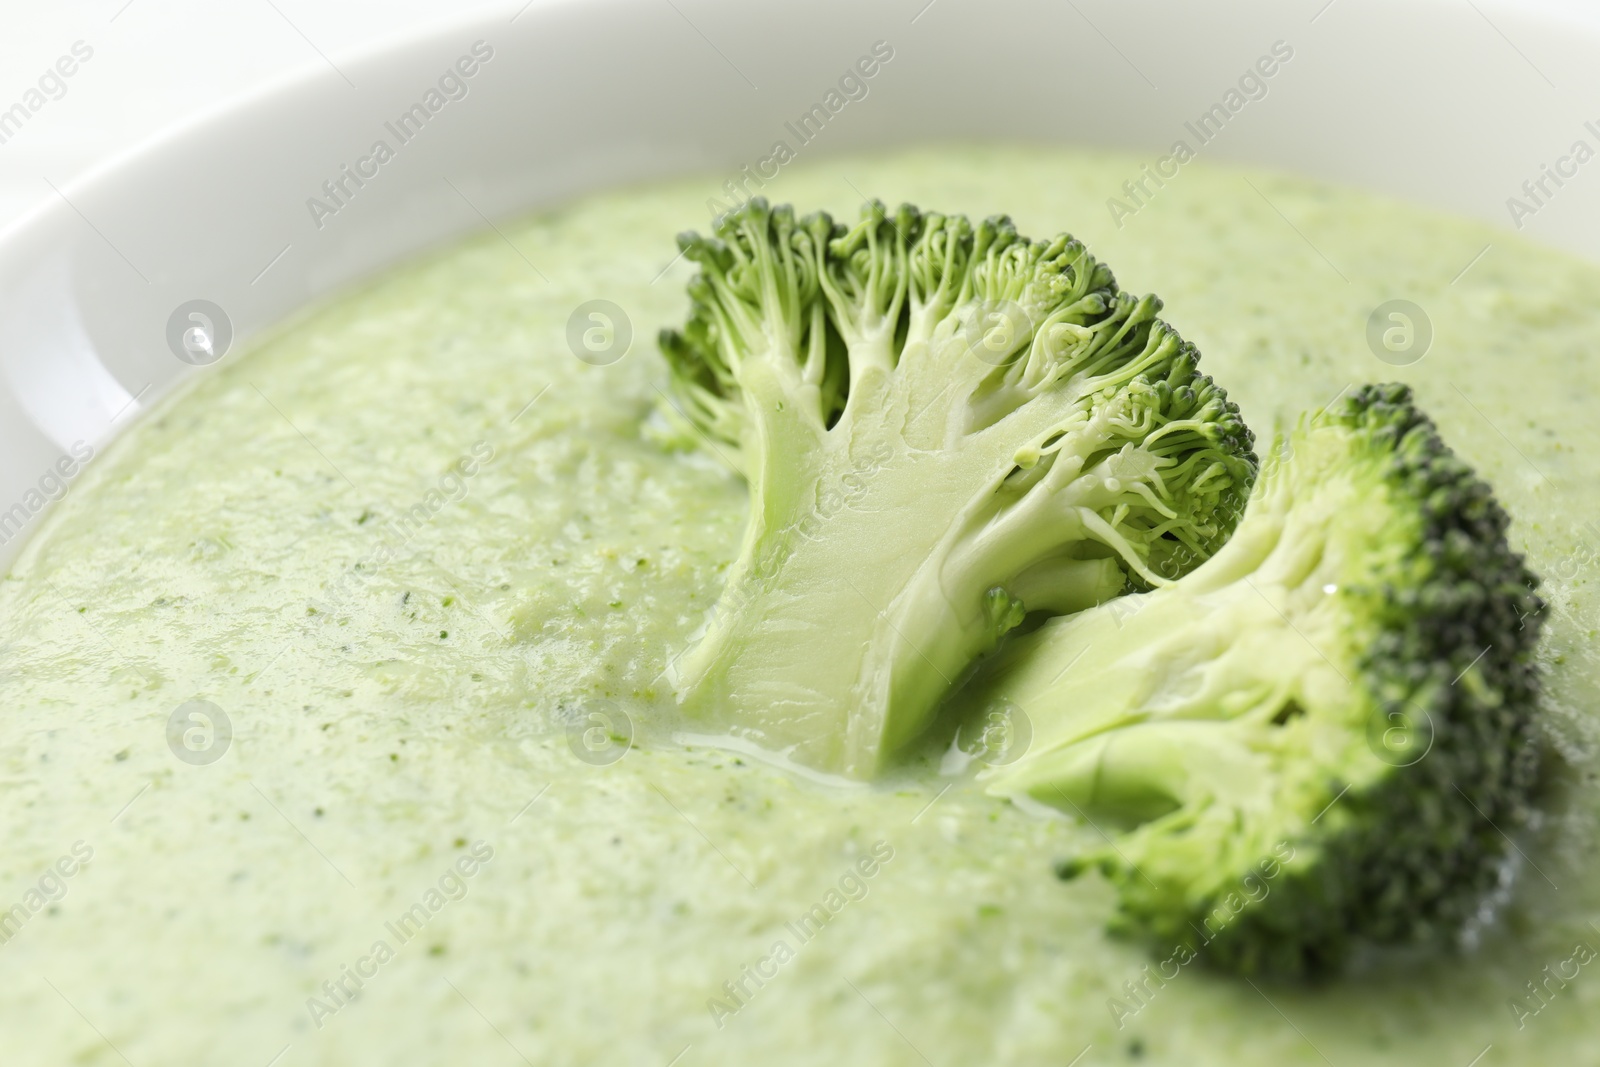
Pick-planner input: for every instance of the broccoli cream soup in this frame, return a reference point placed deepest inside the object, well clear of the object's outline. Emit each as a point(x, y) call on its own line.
point(336, 729)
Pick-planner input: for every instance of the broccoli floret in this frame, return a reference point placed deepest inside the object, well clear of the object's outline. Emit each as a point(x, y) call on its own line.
point(944, 426)
point(1317, 739)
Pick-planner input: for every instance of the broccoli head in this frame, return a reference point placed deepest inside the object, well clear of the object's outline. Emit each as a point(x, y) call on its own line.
point(944, 426)
point(1319, 737)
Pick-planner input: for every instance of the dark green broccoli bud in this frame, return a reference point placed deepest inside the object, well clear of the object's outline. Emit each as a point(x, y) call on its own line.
point(944, 426)
point(1320, 737)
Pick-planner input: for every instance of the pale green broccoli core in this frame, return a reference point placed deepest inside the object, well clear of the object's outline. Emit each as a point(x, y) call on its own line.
point(1216, 717)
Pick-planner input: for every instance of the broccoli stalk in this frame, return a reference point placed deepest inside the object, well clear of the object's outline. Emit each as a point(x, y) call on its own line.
point(1347, 682)
point(944, 426)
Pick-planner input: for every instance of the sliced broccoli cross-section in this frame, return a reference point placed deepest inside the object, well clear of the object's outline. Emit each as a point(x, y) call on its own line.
point(944, 426)
point(1346, 687)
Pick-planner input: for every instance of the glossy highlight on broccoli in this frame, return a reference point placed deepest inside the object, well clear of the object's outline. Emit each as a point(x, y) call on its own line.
point(1341, 700)
point(944, 426)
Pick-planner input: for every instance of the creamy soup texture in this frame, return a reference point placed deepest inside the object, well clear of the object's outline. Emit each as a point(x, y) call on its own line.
point(411, 547)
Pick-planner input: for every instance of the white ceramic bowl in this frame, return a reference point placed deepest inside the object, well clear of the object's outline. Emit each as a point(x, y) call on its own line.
point(1442, 102)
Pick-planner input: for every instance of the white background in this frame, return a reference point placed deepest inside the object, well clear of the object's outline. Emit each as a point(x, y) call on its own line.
point(157, 62)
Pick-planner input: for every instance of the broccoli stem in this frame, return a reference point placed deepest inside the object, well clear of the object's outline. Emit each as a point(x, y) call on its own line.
point(1119, 699)
point(838, 642)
